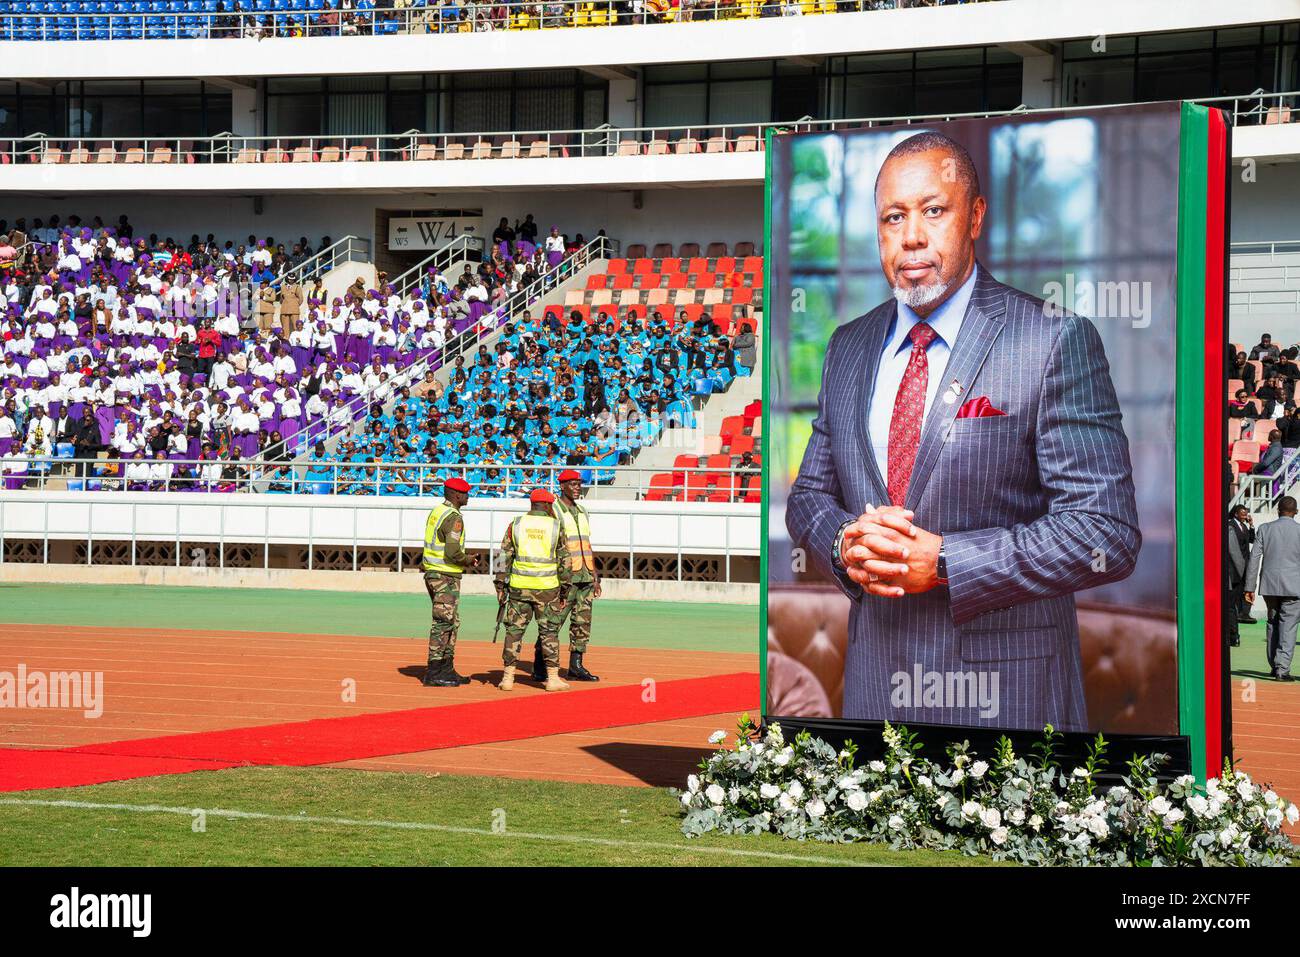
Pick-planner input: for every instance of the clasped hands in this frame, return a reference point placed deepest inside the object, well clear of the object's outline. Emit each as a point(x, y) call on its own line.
point(889, 556)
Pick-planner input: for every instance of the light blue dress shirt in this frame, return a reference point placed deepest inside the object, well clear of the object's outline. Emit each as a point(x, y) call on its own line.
point(946, 321)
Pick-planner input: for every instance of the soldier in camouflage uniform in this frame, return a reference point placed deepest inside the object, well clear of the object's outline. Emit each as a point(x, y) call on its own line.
point(582, 561)
point(533, 581)
point(445, 561)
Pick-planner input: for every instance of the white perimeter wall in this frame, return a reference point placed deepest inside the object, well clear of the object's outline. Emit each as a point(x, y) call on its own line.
point(637, 527)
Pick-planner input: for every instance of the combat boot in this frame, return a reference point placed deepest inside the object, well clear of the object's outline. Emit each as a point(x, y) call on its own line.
point(553, 682)
point(507, 678)
point(439, 675)
point(539, 662)
point(450, 672)
point(576, 670)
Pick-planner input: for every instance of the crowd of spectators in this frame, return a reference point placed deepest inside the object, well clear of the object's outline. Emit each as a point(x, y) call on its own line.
point(550, 395)
point(221, 19)
point(164, 357)
point(204, 365)
point(1263, 398)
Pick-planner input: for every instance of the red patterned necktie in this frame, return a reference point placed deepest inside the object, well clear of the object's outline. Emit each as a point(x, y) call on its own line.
point(909, 410)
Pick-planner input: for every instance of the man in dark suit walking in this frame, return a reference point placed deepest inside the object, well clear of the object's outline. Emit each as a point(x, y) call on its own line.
point(1275, 566)
point(1241, 535)
point(987, 426)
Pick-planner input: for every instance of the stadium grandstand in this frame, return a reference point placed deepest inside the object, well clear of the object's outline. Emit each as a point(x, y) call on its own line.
point(317, 268)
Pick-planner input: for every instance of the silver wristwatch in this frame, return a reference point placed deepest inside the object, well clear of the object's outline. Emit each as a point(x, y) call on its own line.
point(836, 560)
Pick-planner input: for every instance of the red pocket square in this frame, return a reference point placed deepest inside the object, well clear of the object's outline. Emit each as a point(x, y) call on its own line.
point(978, 408)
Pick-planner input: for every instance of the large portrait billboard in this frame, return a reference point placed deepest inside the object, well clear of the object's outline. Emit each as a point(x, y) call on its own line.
point(971, 423)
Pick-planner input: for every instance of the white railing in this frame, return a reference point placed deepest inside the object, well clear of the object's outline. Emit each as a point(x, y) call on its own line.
point(1258, 492)
point(416, 16)
point(192, 523)
point(468, 340)
point(346, 250)
point(403, 479)
point(460, 248)
point(1248, 110)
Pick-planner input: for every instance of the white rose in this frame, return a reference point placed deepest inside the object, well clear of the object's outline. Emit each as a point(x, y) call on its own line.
point(857, 801)
point(815, 808)
point(1214, 809)
point(1185, 780)
point(1274, 817)
point(1080, 772)
point(896, 822)
point(768, 791)
point(958, 776)
point(1016, 815)
point(782, 759)
point(1036, 822)
point(1173, 817)
point(796, 790)
point(998, 835)
point(848, 783)
point(1292, 813)
point(1270, 797)
point(715, 794)
point(1198, 805)
point(1228, 835)
point(717, 737)
point(874, 796)
point(686, 800)
point(978, 768)
point(877, 766)
point(785, 802)
point(692, 784)
point(970, 810)
point(923, 780)
point(733, 794)
point(1098, 827)
point(990, 817)
point(1246, 790)
point(1160, 805)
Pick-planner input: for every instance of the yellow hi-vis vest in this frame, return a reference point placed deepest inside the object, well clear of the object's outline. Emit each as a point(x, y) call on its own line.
point(577, 532)
point(534, 567)
point(435, 551)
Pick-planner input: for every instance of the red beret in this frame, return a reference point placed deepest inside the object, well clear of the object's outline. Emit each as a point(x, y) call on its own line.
point(569, 475)
point(539, 495)
point(456, 485)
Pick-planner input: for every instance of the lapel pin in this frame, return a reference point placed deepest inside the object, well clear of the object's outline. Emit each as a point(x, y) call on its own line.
point(953, 392)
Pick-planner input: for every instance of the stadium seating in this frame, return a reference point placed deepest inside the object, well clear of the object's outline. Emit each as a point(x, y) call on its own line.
point(719, 472)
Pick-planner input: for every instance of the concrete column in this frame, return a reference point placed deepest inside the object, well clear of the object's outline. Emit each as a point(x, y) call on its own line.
point(246, 112)
point(623, 111)
point(1038, 81)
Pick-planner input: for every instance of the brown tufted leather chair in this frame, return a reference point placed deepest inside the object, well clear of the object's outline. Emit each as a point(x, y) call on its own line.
point(1130, 672)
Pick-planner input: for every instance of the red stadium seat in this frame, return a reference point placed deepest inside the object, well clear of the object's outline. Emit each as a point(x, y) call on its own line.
point(742, 296)
point(720, 461)
point(698, 265)
point(644, 266)
point(732, 425)
point(597, 281)
point(753, 410)
point(616, 267)
point(671, 265)
point(740, 444)
point(623, 281)
point(678, 280)
point(722, 490)
point(725, 264)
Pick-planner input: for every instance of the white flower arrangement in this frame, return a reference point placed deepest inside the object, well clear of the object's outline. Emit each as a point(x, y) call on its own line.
point(1010, 807)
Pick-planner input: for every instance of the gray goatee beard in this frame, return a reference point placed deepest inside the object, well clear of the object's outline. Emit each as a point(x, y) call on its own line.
point(918, 297)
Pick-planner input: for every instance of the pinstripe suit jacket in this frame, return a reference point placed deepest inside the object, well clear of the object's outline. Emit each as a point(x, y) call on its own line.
point(1033, 506)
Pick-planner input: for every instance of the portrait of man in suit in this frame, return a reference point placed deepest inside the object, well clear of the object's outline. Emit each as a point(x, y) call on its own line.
point(966, 474)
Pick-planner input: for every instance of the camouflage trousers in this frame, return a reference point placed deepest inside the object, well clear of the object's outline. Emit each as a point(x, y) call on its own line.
point(578, 610)
point(444, 593)
point(522, 605)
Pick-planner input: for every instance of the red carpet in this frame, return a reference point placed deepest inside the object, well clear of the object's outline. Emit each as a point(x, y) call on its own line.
point(331, 740)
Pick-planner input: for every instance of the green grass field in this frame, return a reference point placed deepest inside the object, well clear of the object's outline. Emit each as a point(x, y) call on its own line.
point(631, 624)
point(327, 816)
